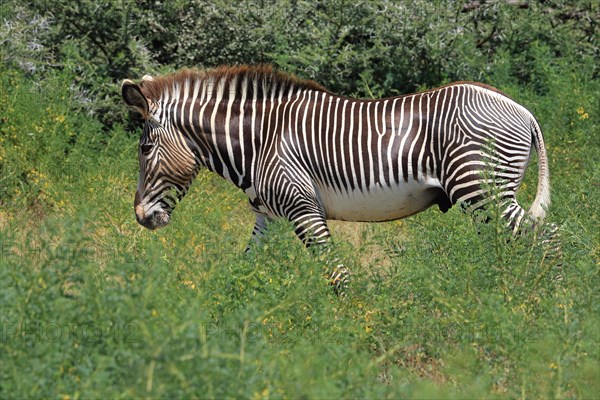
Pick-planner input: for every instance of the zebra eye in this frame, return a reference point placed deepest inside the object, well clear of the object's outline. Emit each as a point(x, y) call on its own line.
point(146, 148)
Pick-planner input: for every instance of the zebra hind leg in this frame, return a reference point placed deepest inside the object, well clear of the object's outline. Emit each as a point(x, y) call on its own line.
point(547, 234)
point(516, 217)
point(551, 243)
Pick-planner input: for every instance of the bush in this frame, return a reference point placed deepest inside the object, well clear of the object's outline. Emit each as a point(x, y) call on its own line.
point(367, 49)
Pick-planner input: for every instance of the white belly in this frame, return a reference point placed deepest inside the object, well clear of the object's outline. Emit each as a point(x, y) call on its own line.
point(379, 203)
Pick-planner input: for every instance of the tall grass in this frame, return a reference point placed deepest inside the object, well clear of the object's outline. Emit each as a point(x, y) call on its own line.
point(440, 305)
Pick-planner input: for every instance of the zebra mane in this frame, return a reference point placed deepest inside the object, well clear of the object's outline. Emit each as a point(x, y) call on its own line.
point(266, 77)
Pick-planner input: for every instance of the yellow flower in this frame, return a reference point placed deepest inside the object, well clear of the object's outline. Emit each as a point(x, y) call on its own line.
point(582, 113)
point(189, 284)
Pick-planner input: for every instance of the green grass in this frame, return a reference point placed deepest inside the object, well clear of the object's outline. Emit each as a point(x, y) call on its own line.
point(95, 306)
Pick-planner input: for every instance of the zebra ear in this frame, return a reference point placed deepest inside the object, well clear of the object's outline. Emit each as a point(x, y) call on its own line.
point(133, 97)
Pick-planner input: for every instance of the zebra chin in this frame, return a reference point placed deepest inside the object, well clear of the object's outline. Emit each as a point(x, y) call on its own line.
point(155, 220)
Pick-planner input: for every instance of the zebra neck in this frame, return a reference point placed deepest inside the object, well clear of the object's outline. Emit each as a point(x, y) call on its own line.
point(221, 136)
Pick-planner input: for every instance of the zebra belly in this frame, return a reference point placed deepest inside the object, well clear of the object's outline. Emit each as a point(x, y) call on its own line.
point(379, 203)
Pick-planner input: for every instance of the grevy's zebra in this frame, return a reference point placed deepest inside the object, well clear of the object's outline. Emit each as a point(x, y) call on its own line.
point(302, 153)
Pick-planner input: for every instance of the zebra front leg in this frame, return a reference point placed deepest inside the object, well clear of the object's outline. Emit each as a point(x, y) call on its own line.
point(262, 220)
point(339, 278)
point(311, 228)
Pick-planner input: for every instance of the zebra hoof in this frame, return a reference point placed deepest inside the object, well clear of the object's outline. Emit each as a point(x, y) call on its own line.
point(339, 278)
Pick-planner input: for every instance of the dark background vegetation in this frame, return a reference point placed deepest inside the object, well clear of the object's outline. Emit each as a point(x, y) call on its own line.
point(95, 306)
point(360, 48)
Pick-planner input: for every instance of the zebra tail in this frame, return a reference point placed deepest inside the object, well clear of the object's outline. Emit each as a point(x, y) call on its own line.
point(542, 199)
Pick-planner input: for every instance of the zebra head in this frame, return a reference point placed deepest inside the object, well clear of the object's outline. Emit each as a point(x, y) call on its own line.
point(167, 165)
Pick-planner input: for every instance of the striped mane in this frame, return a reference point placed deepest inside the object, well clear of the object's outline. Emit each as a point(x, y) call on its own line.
point(266, 77)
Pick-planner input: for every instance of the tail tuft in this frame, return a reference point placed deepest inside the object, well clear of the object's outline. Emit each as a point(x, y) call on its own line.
point(542, 198)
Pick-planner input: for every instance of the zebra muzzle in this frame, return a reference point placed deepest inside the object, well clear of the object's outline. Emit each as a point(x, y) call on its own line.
point(155, 220)
point(139, 212)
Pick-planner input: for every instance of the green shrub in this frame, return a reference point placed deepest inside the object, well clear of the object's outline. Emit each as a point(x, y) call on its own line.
point(367, 49)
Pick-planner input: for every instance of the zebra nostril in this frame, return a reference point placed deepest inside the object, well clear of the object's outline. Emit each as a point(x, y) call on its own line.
point(139, 212)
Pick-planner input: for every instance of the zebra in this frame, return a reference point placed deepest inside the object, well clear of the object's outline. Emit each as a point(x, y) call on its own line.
point(302, 153)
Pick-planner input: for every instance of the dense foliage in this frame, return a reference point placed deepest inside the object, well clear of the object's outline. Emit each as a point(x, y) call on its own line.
point(369, 48)
point(93, 305)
